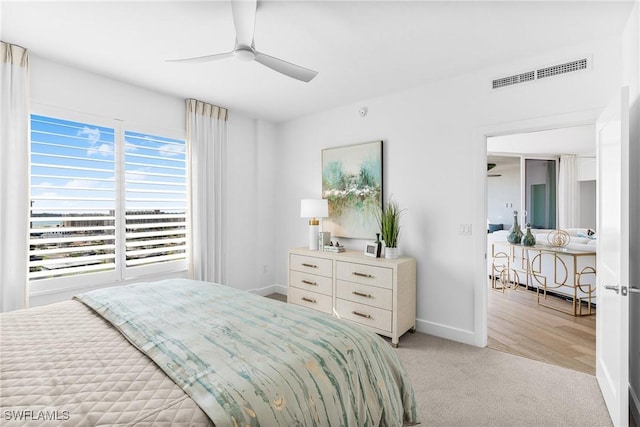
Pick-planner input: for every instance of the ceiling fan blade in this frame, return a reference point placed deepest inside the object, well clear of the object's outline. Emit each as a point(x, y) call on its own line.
point(244, 19)
point(205, 58)
point(286, 68)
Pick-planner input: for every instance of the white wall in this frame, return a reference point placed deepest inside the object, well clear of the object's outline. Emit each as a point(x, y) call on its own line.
point(68, 88)
point(586, 168)
point(429, 167)
point(250, 257)
point(250, 159)
point(502, 191)
point(587, 191)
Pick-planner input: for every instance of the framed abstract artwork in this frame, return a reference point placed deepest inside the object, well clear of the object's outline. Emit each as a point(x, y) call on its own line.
point(352, 183)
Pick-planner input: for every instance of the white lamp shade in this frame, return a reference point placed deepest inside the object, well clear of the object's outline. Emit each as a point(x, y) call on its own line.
point(314, 208)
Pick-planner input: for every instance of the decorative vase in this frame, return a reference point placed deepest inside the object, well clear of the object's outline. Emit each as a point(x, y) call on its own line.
point(515, 233)
point(528, 239)
point(391, 253)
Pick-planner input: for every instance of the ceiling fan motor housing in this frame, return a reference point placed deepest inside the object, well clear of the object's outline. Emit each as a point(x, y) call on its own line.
point(244, 53)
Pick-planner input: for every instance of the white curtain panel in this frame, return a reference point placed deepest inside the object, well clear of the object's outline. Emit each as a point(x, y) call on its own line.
point(206, 145)
point(568, 192)
point(14, 176)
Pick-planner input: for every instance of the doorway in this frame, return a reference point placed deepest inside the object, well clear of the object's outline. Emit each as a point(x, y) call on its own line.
point(522, 179)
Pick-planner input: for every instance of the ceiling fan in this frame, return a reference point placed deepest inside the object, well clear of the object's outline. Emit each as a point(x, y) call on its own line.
point(244, 20)
point(492, 175)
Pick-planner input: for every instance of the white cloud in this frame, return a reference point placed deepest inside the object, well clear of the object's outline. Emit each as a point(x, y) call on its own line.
point(171, 150)
point(136, 175)
point(104, 150)
point(93, 135)
point(129, 147)
point(48, 194)
point(80, 183)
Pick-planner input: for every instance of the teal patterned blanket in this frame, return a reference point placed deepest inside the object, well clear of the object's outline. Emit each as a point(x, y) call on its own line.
point(247, 360)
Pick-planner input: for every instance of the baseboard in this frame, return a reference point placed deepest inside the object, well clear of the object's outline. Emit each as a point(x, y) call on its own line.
point(426, 327)
point(447, 332)
point(267, 290)
point(634, 404)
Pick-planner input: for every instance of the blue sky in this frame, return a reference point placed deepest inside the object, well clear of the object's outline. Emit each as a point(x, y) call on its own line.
point(149, 161)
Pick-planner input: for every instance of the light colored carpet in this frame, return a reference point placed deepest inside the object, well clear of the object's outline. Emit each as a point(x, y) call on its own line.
point(462, 385)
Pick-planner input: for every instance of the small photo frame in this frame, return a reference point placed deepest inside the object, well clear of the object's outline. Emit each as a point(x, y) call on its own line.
point(373, 249)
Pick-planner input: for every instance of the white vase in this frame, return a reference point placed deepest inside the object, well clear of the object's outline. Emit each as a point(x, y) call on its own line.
point(391, 253)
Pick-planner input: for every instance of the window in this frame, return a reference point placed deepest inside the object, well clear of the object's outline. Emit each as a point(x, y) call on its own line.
point(155, 202)
point(105, 201)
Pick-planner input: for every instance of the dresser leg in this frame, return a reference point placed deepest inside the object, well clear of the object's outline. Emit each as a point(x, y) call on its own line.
point(394, 344)
point(412, 330)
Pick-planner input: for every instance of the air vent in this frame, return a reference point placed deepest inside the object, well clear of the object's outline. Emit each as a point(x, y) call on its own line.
point(512, 80)
point(569, 67)
point(541, 73)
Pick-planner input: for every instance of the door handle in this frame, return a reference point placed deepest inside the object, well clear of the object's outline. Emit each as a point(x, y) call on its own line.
point(625, 290)
point(613, 288)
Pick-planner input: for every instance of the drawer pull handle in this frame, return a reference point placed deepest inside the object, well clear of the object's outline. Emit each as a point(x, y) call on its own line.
point(366, 316)
point(306, 282)
point(368, 276)
point(304, 264)
point(311, 300)
point(360, 294)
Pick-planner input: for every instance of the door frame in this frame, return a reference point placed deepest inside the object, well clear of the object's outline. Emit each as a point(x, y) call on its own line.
point(480, 135)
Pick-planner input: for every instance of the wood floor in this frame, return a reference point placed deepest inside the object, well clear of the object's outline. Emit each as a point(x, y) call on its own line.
point(518, 325)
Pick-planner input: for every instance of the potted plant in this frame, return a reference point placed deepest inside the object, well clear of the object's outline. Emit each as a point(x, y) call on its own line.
point(389, 222)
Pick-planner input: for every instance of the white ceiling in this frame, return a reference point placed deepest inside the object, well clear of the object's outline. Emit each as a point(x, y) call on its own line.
point(361, 49)
point(580, 140)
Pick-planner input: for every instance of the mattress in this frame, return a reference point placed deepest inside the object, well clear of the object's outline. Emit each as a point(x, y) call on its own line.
point(63, 365)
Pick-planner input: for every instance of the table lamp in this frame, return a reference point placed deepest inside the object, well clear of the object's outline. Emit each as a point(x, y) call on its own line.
point(314, 209)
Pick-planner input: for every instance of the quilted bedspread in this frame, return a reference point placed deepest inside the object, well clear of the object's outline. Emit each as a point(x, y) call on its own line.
point(63, 365)
point(229, 357)
point(248, 360)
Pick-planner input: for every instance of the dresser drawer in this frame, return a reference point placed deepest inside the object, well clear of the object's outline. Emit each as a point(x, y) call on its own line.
point(365, 315)
point(313, 265)
point(365, 294)
point(310, 282)
point(366, 274)
point(309, 299)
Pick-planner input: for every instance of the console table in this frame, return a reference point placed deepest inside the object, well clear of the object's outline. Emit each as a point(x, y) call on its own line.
point(566, 272)
point(378, 293)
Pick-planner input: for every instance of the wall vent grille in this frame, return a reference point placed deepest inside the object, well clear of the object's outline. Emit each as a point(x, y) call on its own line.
point(541, 73)
point(569, 67)
point(512, 80)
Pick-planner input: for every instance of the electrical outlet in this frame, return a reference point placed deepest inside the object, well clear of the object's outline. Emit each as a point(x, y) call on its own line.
point(465, 229)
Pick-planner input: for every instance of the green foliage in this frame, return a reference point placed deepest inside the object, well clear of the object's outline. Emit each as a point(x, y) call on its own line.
point(346, 191)
point(389, 222)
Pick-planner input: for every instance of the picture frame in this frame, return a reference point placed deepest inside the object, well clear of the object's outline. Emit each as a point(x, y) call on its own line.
point(373, 249)
point(352, 184)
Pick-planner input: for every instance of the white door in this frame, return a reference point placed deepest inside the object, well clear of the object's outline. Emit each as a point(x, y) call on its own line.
point(612, 313)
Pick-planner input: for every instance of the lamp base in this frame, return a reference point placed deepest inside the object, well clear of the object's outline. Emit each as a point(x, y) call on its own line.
point(313, 237)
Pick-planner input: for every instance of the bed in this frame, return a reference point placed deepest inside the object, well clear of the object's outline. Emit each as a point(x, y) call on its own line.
point(184, 352)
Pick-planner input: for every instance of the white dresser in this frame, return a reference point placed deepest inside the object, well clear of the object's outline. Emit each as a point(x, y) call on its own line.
point(376, 292)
